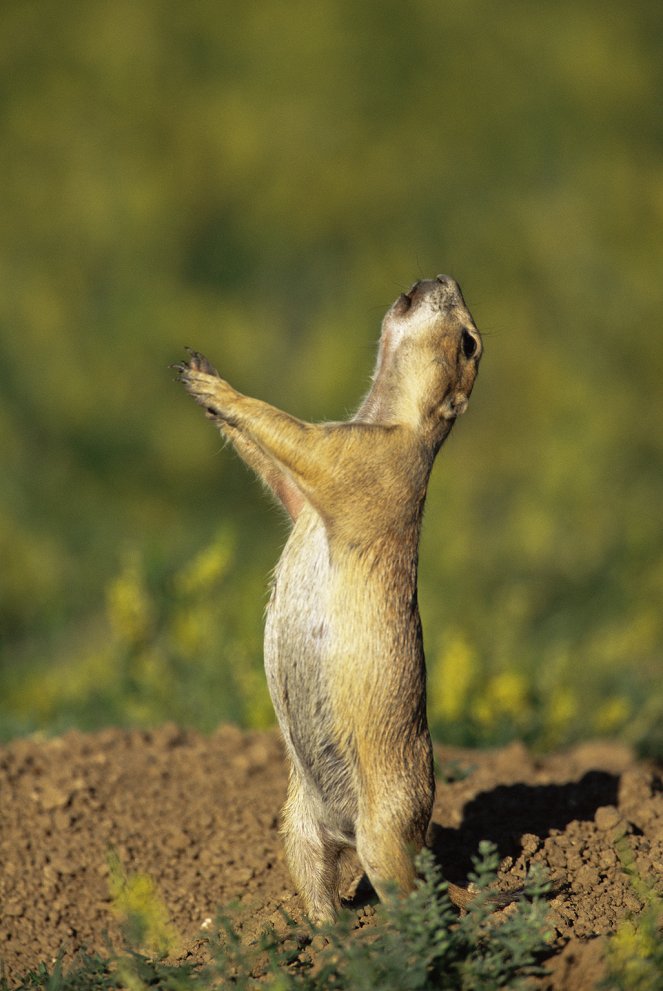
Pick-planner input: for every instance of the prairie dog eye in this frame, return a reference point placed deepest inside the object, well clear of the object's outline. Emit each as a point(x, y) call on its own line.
point(468, 343)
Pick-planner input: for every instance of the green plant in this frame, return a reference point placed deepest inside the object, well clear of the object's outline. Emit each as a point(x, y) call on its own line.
point(130, 971)
point(143, 914)
point(418, 944)
point(635, 952)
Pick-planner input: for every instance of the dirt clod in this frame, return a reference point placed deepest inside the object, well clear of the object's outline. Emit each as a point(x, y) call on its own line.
point(200, 816)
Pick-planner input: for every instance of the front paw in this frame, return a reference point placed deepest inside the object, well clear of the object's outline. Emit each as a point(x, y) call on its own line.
point(202, 381)
point(197, 363)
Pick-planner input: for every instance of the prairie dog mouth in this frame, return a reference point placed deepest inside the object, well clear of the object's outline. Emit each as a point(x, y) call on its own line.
point(402, 304)
point(406, 299)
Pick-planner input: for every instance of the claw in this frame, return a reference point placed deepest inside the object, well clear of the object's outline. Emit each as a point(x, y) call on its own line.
point(199, 363)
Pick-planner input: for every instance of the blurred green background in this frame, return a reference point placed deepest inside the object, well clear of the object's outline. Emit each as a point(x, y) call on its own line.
point(260, 181)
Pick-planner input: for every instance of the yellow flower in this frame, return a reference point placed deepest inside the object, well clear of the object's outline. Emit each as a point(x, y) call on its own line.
point(137, 903)
point(451, 677)
point(634, 956)
point(208, 567)
point(192, 629)
point(129, 606)
point(505, 697)
point(562, 708)
point(612, 715)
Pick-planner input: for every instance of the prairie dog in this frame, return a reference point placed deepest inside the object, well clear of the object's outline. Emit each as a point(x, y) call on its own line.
point(344, 652)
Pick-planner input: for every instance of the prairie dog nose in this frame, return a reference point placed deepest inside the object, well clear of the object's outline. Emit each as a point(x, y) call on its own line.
point(449, 285)
point(449, 290)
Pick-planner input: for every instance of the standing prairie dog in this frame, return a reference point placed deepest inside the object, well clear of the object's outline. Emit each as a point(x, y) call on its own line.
point(343, 645)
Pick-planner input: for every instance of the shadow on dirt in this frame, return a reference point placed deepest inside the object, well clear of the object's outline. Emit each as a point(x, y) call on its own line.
point(505, 813)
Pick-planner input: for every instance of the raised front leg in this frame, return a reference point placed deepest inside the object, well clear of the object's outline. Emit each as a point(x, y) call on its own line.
point(312, 458)
point(202, 380)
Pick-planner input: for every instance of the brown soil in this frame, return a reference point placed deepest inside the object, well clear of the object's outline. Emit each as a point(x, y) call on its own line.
point(200, 815)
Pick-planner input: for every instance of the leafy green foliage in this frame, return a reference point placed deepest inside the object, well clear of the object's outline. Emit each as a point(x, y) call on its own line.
point(260, 184)
point(420, 944)
point(165, 646)
point(132, 971)
point(144, 916)
point(635, 952)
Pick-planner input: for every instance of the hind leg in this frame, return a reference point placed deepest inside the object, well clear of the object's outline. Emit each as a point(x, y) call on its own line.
point(392, 827)
point(312, 854)
point(387, 851)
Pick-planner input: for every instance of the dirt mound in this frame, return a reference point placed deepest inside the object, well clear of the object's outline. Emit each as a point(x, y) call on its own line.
point(200, 815)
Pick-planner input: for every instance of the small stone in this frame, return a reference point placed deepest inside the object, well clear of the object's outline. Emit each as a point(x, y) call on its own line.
point(608, 859)
point(606, 817)
point(587, 878)
point(631, 902)
point(14, 909)
point(530, 843)
point(178, 839)
point(556, 856)
point(61, 820)
point(53, 798)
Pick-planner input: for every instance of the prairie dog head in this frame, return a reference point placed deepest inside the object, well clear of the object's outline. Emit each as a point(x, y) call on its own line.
point(428, 359)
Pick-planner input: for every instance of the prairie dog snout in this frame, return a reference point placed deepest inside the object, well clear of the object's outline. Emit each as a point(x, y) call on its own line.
point(343, 645)
point(441, 293)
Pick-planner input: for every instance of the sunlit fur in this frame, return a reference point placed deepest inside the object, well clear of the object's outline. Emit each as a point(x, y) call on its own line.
point(343, 643)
